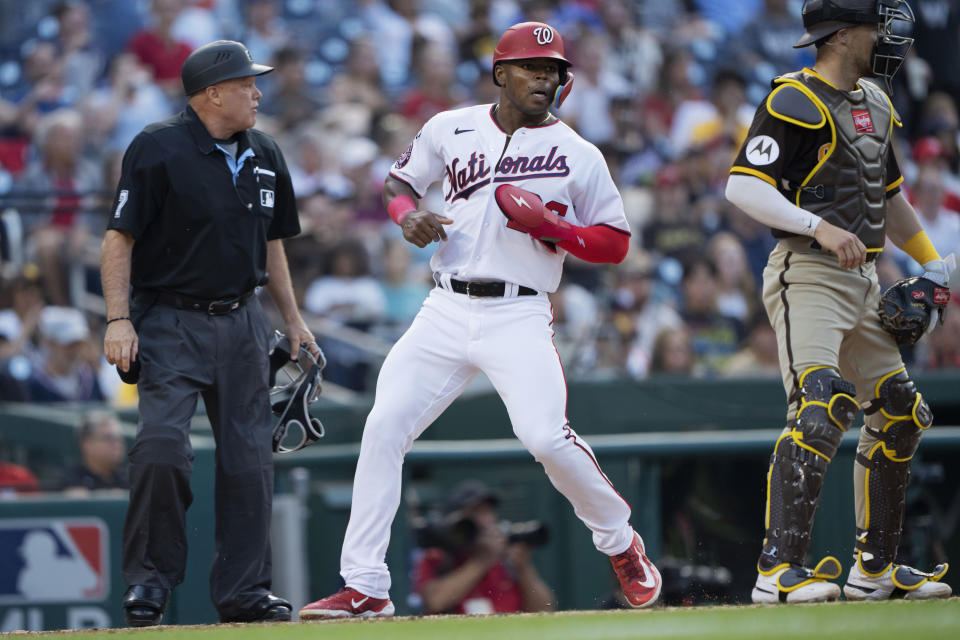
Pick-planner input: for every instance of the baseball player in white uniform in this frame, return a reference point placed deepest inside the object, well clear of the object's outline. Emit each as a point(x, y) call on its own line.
point(521, 190)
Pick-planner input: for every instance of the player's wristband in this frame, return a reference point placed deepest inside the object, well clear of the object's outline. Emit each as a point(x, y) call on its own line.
point(920, 248)
point(400, 206)
point(118, 318)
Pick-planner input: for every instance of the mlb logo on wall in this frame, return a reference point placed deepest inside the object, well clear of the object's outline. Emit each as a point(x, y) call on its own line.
point(53, 560)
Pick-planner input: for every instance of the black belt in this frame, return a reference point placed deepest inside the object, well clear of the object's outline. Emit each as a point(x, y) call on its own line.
point(210, 307)
point(871, 255)
point(487, 289)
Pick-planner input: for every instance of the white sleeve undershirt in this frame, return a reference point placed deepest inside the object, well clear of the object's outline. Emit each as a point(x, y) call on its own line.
point(764, 203)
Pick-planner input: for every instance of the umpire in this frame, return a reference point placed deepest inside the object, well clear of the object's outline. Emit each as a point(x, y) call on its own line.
point(202, 206)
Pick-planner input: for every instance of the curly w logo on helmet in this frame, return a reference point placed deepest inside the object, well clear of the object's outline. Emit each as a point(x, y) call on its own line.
point(544, 35)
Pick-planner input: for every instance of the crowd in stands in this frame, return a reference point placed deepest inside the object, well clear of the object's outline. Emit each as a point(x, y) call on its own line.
point(666, 88)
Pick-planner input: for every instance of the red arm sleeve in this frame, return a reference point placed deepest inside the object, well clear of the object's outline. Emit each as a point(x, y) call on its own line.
point(598, 244)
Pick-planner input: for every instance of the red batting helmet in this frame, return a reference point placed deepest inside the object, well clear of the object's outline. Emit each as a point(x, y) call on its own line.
point(531, 40)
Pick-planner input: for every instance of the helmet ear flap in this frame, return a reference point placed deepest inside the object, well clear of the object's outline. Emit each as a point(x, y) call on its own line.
point(563, 90)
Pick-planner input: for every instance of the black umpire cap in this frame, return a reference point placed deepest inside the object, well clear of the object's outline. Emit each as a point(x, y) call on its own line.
point(216, 62)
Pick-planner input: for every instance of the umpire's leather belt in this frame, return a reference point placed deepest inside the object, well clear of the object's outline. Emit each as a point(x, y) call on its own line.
point(487, 289)
point(210, 307)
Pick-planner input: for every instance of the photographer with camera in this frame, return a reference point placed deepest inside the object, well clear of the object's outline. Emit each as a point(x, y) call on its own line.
point(474, 563)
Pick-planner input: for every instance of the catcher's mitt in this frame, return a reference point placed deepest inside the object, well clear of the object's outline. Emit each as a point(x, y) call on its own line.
point(906, 307)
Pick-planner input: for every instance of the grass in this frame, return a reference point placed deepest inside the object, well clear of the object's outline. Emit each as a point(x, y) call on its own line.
point(841, 620)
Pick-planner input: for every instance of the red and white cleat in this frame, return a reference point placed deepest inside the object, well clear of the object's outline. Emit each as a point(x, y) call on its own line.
point(347, 603)
point(639, 579)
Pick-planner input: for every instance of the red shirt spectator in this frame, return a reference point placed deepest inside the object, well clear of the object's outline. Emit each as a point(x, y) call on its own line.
point(163, 57)
point(497, 591)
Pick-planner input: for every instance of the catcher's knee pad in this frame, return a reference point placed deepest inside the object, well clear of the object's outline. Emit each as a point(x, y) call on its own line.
point(800, 459)
point(906, 415)
point(827, 409)
point(794, 481)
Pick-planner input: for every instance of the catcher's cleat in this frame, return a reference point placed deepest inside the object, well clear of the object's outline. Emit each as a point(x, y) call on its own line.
point(896, 581)
point(347, 603)
point(792, 583)
point(639, 578)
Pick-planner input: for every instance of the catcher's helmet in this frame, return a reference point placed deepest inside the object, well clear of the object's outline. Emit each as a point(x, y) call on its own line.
point(216, 62)
point(526, 40)
point(294, 385)
point(823, 18)
point(907, 306)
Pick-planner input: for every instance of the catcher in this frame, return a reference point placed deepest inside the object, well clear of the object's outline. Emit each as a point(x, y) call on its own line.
point(818, 167)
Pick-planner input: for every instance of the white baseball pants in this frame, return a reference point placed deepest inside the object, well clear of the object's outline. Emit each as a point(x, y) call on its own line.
point(453, 338)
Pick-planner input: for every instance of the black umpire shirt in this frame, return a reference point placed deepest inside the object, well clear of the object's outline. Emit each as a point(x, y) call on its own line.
point(201, 221)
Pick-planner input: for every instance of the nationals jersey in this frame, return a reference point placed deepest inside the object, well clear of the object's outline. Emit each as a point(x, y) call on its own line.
point(472, 155)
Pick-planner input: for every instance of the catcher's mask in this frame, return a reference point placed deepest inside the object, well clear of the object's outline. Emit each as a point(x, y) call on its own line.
point(294, 385)
point(822, 18)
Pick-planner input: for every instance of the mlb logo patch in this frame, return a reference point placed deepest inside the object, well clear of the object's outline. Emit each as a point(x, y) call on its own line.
point(862, 120)
point(266, 198)
point(53, 560)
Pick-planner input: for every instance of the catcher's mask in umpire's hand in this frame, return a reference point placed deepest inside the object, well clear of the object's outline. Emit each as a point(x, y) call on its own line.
point(294, 385)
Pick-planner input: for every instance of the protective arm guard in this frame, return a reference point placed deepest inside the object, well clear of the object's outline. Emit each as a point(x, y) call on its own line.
point(799, 462)
point(525, 212)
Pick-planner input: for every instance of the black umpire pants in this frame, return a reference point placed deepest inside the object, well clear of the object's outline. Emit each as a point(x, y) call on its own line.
point(185, 354)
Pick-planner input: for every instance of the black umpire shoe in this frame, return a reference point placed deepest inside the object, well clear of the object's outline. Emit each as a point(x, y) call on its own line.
point(270, 608)
point(144, 605)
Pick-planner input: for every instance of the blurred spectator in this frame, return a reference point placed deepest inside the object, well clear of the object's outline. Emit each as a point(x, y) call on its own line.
point(937, 33)
point(941, 224)
point(404, 286)
point(62, 370)
point(158, 49)
point(359, 84)
point(730, 15)
point(929, 151)
point(15, 480)
point(83, 61)
point(737, 295)
point(479, 571)
point(346, 291)
point(197, 25)
point(714, 337)
point(697, 122)
point(587, 109)
point(21, 303)
point(634, 50)
point(636, 311)
point(125, 106)
point(675, 230)
point(672, 353)
point(758, 357)
point(435, 90)
point(397, 29)
point(942, 346)
point(42, 88)
point(939, 118)
point(766, 44)
point(54, 185)
point(292, 100)
point(265, 34)
point(102, 456)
